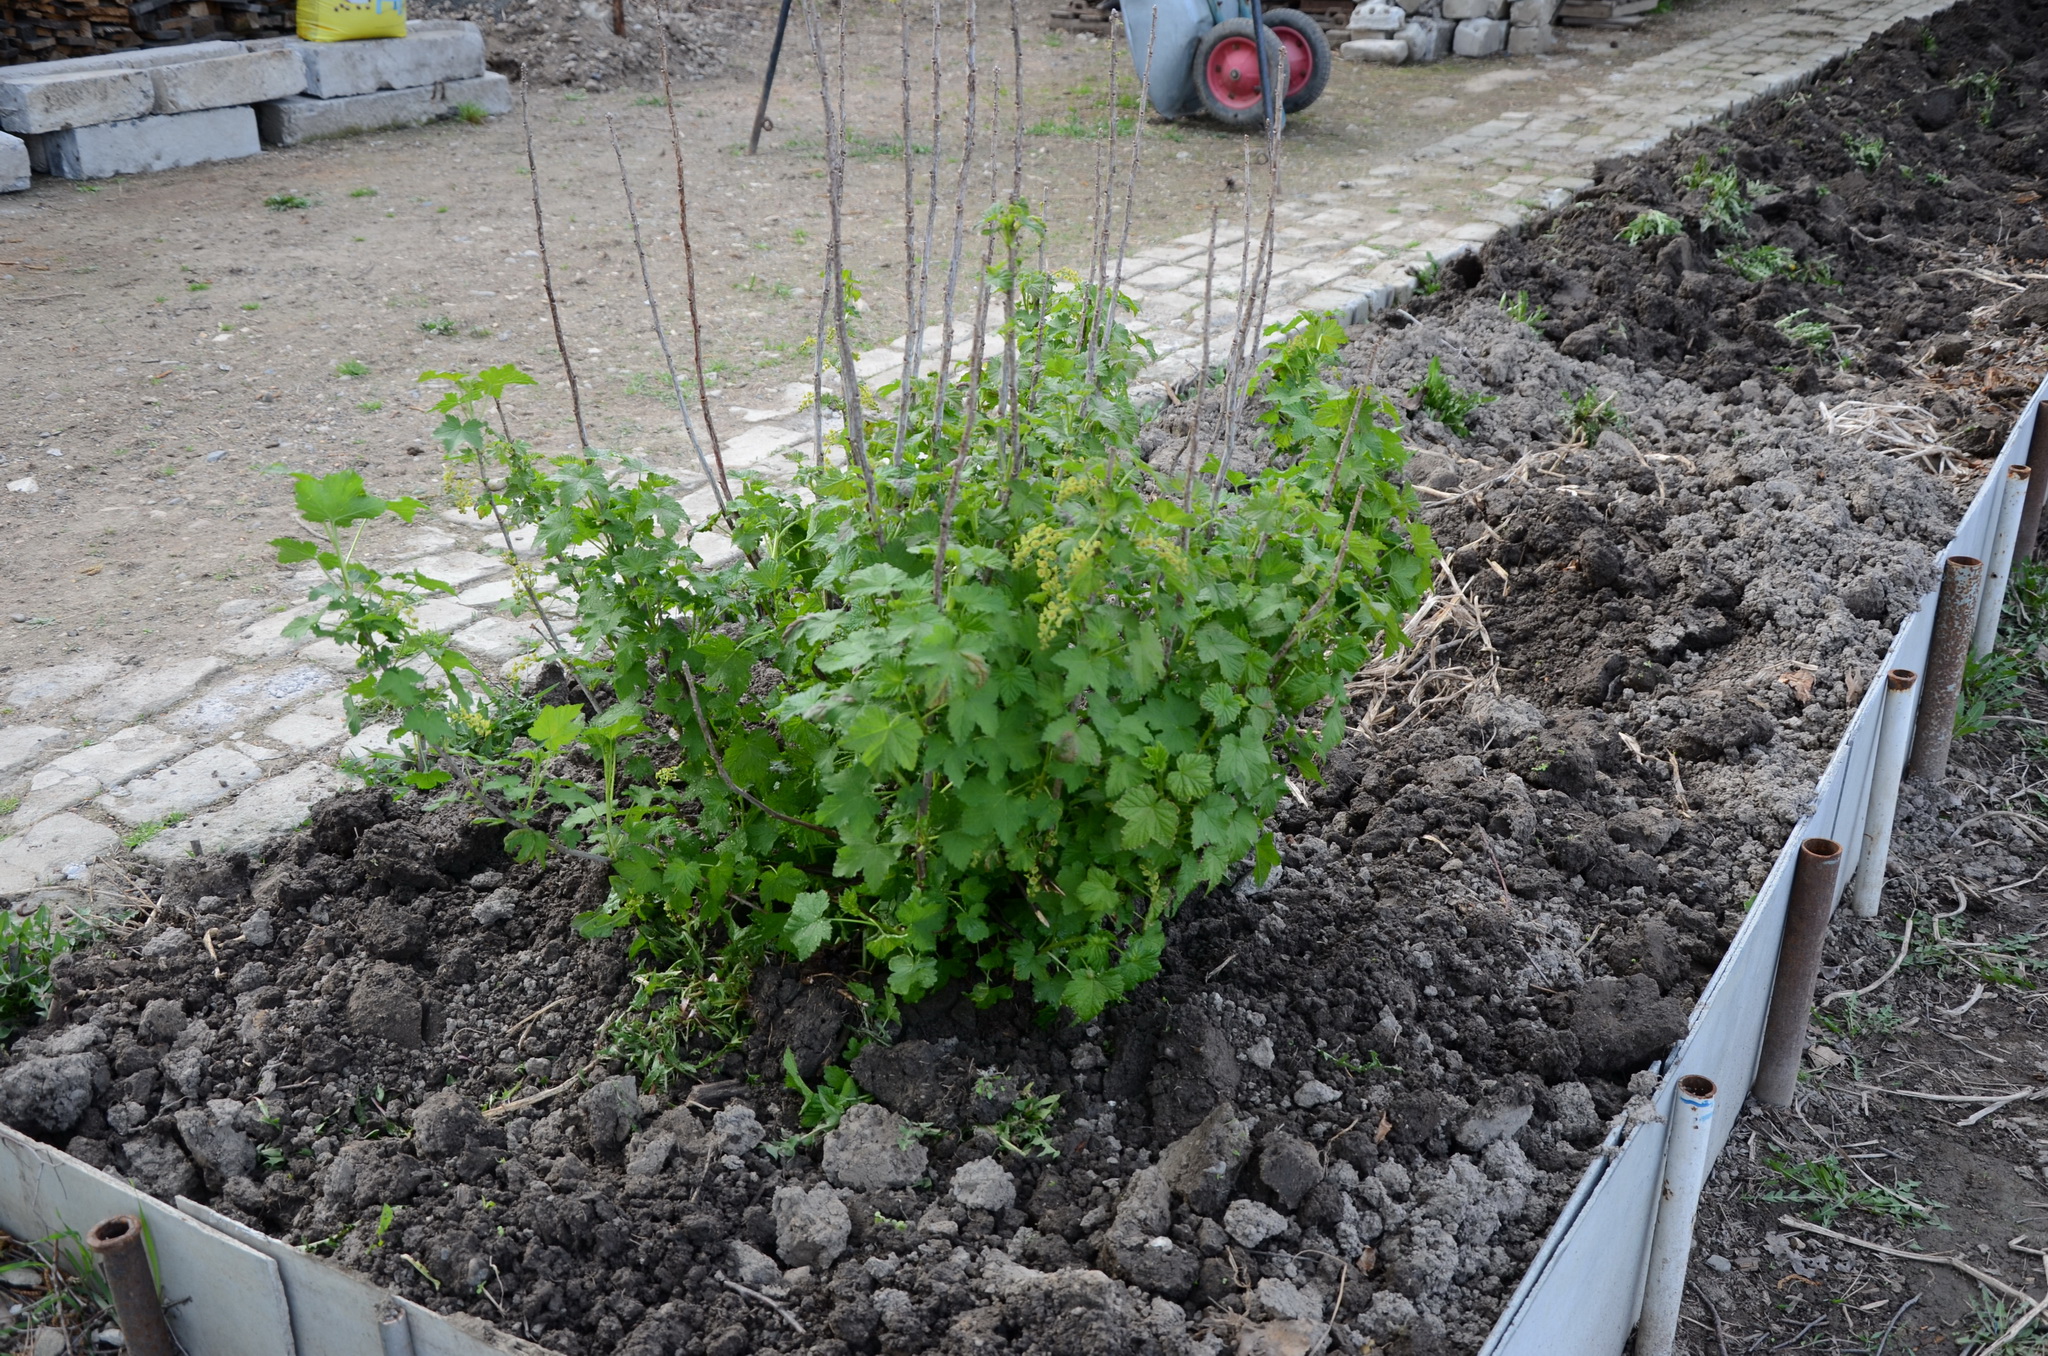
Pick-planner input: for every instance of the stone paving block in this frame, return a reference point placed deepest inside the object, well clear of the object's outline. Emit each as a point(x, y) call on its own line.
point(456, 567)
point(52, 103)
point(264, 810)
point(23, 745)
point(145, 145)
point(265, 638)
point(1376, 21)
point(150, 689)
point(336, 70)
point(312, 726)
point(59, 848)
point(287, 122)
point(59, 683)
point(14, 165)
point(224, 81)
point(500, 638)
point(1534, 41)
point(1480, 37)
point(76, 777)
point(243, 702)
point(442, 613)
point(762, 448)
point(192, 783)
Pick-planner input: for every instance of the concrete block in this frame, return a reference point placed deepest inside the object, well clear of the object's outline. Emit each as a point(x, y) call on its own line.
point(13, 163)
point(150, 690)
point(52, 103)
point(268, 807)
point(1428, 38)
point(1384, 51)
point(59, 848)
point(1414, 7)
point(287, 122)
point(432, 53)
point(21, 746)
point(78, 776)
point(147, 144)
point(1461, 10)
point(1532, 41)
point(1374, 20)
point(1480, 37)
point(223, 82)
point(192, 783)
point(1532, 13)
point(134, 59)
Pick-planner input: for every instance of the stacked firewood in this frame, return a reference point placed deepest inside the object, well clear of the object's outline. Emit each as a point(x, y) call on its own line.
point(44, 30)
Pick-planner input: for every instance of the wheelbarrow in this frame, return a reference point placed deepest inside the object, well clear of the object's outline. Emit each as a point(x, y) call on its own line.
point(1204, 58)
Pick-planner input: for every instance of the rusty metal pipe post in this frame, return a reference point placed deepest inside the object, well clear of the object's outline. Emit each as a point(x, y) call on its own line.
point(2037, 486)
point(1955, 621)
point(1806, 927)
point(117, 1242)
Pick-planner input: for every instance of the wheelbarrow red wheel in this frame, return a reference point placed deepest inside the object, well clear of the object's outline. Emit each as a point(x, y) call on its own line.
point(1227, 72)
point(1308, 55)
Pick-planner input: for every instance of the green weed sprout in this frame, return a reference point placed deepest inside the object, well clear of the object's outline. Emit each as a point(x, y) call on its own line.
point(28, 943)
point(1823, 1188)
point(823, 1106)
point(1450, 406)
point(1760, 262)
point(1649, 225)
point(1590, 414)
point(364, 192)
point(471, 113)
point(351, 367)
point(1519, 309)
point(1429, 279)
point(440, 325)
point(1866, 153)
point(287, 202)
point(1816, 335)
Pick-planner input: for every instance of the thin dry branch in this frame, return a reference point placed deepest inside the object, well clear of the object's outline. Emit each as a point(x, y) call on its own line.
point(547, 276)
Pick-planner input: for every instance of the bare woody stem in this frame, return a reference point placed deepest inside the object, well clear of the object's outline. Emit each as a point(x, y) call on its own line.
point(512, 557)
point(675, 137)
point(973, 413)
point(547, 276)
point(718, 765)
point(959, 235)
point(1194, 467)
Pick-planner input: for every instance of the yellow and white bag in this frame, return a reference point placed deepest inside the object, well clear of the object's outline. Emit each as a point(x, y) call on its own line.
point(346, 20)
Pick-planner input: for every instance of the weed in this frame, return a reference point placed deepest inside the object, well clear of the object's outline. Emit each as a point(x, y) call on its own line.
point(252, 305)
point(142, 833)
point(1820, 272)
point(197, 286)
point(655, 387)
point(364, 192)
point(28, 943)
point(1853, 1020)
point(1590, 414)
point(1729, 199)
point(1429, 278)
point(351, 367)
point(1991, 688)
point(1519, 309)
point(369, 406)
point(473, 114)
point(650, 101)
point(440, 325)
point(1982, 87)
point(1866, 153)
point(1649, 225)
point(385, 1215)
point(574, 96)
point(1822, 1187)
point(1450, 406)
point(823, 1106)
point(1372, 1063)
point(1989, 1320)
point(9, 804)
point(1816, 335)
point(1927, 42)
point(1025, 1129)
point(287, 202)
point(1759, 262)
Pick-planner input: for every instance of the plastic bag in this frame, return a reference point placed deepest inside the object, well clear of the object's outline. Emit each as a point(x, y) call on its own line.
point(345, 20)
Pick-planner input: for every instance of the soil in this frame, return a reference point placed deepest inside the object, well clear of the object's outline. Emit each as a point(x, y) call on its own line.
point(171, 340)
point(1359, 1092)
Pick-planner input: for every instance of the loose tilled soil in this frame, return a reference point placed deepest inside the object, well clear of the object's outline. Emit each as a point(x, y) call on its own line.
point(1360, 1092)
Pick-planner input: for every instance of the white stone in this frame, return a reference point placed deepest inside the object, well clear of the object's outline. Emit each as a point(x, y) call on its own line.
point(222, 82)
point(147, 144)
point(1376, 20)
point(52, 103)
point(78, 776)
point(501, 638)
point(483, 595)
point(287, 122)
point(266, 639)
point(441, 613)
point(14, 165)
point(426, 56)
point(1532, 13)
point(192, 783)
point(242, 702)
point(313, 726)
point(21, 745)
point(1531, 41)
point(57, 684)
point(455, 568)
point(150, 690)
point(1480, 37)
point(1249, 1223)
point(761, 445)
point(1456, 10)
point(265, 809)
point(1428, 38)
point(1383, 51)
point(134, 59)
point(57, 849)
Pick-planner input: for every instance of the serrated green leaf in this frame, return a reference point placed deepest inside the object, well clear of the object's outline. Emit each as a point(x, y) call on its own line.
point(883, 739)
point(1148, 817)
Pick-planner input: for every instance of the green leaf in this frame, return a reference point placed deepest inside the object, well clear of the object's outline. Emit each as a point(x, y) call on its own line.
point(1223, 649)
point(556, 726)
point(293, 550)
point(337, 499)
point(1148, 817)
point(1086, 995)
point(1242, 762)
point(808, 928)
point(883, 739)
point(1191, 778)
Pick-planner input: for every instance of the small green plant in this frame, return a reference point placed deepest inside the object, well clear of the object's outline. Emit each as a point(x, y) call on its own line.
point(252, 305)
point(823, 1106)
point(28, 943)
point(142, 833)
point(1026, 1129)
point(1590, 414)
point(364, 192)
point(1519, 309)
point(1649, 225)
point(650, 101)
point(1991, 1321)
point(1815, 335)
point(1982, 87)
point(351, 367)
point(472, 113)
point(1866, 153)
point(1927, 42)
point(1729, 199)
point(442, 326)
point(1450, 406)
point(1760, 262)
point(1991, 688)
point(287, 202)
point(369, 406)
point(197, 286)
point(1853, 1020)
point(385, 1215)
point(655, 387)
point(1429, 278)
point(9, 804)
point(1371, 1064)
point(1823, 1189)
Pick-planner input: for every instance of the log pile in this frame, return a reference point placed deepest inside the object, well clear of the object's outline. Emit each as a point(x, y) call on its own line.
point(45, 30)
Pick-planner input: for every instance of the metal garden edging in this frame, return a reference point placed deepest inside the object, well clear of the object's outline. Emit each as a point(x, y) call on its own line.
point(1582, 1290)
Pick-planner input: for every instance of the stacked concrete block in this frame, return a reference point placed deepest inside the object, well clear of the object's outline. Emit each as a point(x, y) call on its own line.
point(1531, 31)
point(382, 82)
point(144, 145)
point(224, 81)
point(1428, 37)
point(1373, 26)
point(1480, 37)
point(1396, 31)
point(14, 165)
point(32, 102)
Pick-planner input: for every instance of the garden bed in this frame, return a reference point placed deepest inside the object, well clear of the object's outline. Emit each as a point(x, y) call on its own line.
point(1361, 1090)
